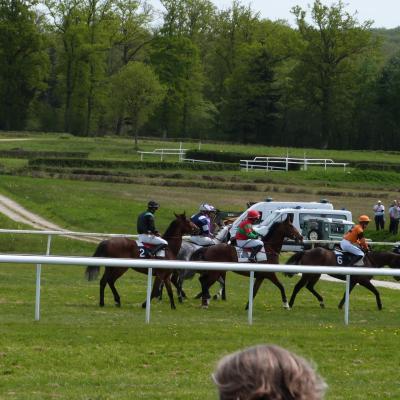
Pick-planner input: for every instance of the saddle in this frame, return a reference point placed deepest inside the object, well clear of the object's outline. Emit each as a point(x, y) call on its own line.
point(344, 258)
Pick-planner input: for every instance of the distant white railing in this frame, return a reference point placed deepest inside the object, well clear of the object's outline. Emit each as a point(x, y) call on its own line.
point(282, 163)
point(198, 266)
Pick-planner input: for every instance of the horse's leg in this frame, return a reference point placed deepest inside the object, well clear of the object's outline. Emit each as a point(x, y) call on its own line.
point(167, 283)
point(156, 290)
point(103, 284)
point(256, 286)
point(221, 292)
point(206, 281)
point(299, 285)
point(117, 298)
point(274, 279)
point(177, 282)
point(368, 285)
point(310, 287)
point(351, 287)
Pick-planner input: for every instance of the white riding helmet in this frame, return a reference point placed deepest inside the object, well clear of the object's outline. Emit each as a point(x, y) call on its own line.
point(207, 208)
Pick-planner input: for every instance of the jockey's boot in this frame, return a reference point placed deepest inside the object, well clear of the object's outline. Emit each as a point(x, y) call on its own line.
point(158, 248)
point(359, 262)
point(254, 251)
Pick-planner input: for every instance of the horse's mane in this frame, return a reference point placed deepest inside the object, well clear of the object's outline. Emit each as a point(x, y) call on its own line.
point(171, 230)
point(272, 230)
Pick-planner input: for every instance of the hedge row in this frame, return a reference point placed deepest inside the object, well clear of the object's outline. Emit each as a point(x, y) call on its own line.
point(109, 164)
point(378, 166)
point(230, 157)
point(20, 153)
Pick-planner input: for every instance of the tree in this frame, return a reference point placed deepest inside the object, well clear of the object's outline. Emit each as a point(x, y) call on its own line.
point(332, 42)
point(135, 89)
point(23, 61)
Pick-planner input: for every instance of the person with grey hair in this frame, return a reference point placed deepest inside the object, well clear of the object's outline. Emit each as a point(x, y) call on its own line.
point(267, 372)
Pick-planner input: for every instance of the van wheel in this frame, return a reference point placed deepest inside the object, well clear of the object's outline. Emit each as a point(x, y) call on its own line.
point(313, 235)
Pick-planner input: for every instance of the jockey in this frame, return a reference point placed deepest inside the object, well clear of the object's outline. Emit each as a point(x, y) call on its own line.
point(146, 228)
point(354, 241)
point(247, 237)
point(203, 221)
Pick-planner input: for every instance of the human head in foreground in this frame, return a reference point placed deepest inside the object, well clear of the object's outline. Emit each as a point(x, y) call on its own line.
point(267, 372)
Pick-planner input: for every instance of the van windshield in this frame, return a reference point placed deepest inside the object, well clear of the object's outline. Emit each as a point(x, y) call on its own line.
point(305, 216)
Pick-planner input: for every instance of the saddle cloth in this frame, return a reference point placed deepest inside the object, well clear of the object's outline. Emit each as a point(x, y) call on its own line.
point(145, 250)
point(345, 258)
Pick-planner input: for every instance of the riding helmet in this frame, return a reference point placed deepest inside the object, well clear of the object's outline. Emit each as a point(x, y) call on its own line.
point(253, 214)
point(153, 204)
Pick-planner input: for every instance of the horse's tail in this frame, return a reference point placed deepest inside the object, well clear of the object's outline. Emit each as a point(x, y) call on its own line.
point(92, 271)
point(294, 260)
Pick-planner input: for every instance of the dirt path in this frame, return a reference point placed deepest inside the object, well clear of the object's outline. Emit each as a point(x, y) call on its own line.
point(17, 213)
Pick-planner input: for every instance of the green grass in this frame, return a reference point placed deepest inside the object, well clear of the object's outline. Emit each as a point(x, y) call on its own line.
point(80, 351)
point(122, 148)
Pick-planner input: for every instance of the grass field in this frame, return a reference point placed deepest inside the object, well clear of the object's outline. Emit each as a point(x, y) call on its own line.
point(81, 351)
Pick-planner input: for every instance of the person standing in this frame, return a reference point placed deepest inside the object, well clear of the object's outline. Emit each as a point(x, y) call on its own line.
point(147, 230)
point(394, 217)
point(379, 210)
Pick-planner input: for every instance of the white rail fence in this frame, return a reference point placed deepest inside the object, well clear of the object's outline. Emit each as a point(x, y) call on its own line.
point(283, 163)
point(199, 266)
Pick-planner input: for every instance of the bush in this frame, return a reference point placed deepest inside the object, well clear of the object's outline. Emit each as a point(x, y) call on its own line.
point(20, 153)
point(110, 164)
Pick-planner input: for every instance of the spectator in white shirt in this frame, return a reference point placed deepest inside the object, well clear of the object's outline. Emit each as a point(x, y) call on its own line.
point(394, 214)
point(379, 210)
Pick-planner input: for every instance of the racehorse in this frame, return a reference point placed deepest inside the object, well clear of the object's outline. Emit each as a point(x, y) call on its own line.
point(323, 257)
point(273, 242)
point(127, 248)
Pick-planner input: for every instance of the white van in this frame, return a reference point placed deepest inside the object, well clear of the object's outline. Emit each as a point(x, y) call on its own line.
point(342, 219)
point(267, 207)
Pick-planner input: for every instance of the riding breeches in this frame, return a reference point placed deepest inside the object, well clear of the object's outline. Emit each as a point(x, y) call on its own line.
point(202, 240)
point(346, 245)
point(151, 239)
point(249, 243)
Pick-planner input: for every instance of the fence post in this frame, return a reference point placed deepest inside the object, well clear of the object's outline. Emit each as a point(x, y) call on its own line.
point(37, 299)
point(148, 295)
point(251, 288)
point(347, 301)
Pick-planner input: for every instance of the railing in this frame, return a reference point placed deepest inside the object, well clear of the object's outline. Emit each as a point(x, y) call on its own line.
point(198, 266)
point(164, 152)
point(282, 163)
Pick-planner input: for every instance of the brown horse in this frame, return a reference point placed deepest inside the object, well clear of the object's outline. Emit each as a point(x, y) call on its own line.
point(127, 248)
point(273, 242)
point(323, 257)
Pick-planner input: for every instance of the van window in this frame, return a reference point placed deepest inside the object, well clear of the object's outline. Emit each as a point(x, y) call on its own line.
point(305, 216)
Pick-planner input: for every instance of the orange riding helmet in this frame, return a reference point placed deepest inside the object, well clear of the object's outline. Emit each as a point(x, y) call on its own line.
point(363, 218)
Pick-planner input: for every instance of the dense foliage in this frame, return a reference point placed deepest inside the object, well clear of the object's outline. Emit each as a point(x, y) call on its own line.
point(111, 66)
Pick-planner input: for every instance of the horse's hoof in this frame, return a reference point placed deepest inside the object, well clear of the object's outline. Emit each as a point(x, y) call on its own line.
point(286, 306)
point(173, 307)
point(204, 306)
point(118, 305)
point(215, 297)
point(101, 304)
point(144, 305)
point(180, 299)
point(322, 305)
